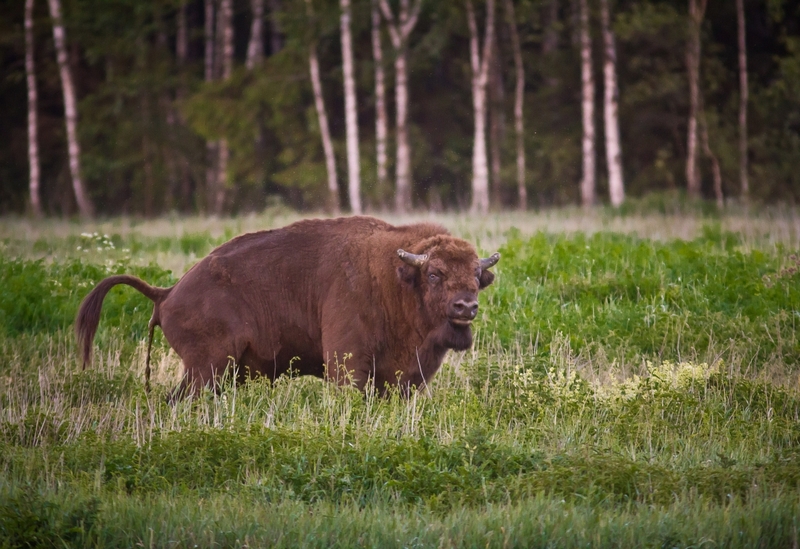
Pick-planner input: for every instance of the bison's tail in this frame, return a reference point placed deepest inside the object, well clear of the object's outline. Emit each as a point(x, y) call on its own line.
point(89, 313)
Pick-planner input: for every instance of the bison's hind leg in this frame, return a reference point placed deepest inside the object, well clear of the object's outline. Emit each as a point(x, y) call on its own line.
point(206, 369)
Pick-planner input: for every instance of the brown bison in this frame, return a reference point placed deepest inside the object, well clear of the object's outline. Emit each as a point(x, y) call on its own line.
point(348, 299)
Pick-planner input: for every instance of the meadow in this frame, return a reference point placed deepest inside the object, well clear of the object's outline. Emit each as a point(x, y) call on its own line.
point(635, 382)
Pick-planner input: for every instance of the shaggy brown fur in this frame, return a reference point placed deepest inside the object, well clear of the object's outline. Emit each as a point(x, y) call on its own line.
point(331, 297)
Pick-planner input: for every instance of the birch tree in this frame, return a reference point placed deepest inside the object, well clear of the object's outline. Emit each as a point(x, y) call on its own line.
point(350, 111)
point(322, 116)
point(497, 123)
point(743, 96)
point(479, 62)
point(70, 110)
point(587, 109)
point(226, 28)
point(519, 92)
point(255, 46)
point(381, 118)
point(616, 187)
point(697, 10)
point(400, 28)
point(33, 139)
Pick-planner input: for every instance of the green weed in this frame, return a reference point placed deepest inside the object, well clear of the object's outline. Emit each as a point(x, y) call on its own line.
point(622, 392)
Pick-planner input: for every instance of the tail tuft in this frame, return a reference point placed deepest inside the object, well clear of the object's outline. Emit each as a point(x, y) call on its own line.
point(89, 313)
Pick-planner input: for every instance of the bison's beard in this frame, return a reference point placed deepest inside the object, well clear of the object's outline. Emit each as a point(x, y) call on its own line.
point(452, 336)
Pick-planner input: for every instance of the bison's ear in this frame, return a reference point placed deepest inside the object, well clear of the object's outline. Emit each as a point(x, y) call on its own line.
point(408, 274)
point(486, 279)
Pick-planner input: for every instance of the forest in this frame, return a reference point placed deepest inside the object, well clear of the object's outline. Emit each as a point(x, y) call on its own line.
point(230, 106)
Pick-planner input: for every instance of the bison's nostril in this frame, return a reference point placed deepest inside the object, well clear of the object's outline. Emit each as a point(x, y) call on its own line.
point(465, 308)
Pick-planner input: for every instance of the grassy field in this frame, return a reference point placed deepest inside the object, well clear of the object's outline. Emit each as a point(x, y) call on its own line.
point(635, 382)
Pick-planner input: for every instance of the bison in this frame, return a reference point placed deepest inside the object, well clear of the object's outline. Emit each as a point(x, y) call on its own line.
point(348, 299)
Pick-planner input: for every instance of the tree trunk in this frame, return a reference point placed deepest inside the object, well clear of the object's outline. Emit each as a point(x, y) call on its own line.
point(350, 112)
point(616, 187)
point(519, 94)
point(70, 110)
point(255, 47)
point(399, 31)
point(480, 73)
point(226, 26)
point(182, 36)
point(33, 140)
point(327, 142)
point(715, 170)
point(182, 56)
point(276, 36)
point(403, 199)
point(550, 40)
point(702, 126)
point(743, 93)
point(587, 109)
point(381, 118)
point(149, 179)
point(496, 125)
point(696, 11)
point(211, 146)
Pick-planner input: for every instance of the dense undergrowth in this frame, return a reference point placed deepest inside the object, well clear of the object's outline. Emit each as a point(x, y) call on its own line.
point(622, 392)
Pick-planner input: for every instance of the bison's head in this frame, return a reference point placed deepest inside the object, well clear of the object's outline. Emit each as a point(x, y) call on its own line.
point(447, 276)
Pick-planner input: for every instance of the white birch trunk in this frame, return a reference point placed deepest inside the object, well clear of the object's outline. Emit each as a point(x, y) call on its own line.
point(480, 73)
point(587, 109)
point(616, 186)
point(743, 95)
point(324, 130)
point(519, 94)
point(350, 112)
point(381, 118)
point(33, 139)
point(696, 12)
point(255, 47)
point(226, 26)
point(70, 110)
point(403, 199)
point(399, 31)
point(497, 126)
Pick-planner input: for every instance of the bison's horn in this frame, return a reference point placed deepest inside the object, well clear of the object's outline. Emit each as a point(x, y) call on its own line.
point(412, 259)
point(490, 261)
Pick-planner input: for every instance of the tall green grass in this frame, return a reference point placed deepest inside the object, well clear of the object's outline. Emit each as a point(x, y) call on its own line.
point(625, 299)
point(622, 392)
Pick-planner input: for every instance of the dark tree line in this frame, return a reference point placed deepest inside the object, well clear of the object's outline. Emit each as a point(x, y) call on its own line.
point(132, 106)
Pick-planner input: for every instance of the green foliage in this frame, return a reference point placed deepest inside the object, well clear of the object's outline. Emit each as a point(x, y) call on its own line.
point(31, 521)
point(596, 409)
point(38, 297)
point(145, 115)
point(634, 298)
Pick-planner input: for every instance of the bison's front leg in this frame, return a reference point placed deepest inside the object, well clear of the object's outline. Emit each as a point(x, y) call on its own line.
point(348, 365)
point(345, 353)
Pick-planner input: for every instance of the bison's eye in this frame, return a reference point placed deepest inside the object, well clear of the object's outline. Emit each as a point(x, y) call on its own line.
point(433, 278)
